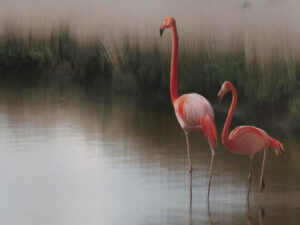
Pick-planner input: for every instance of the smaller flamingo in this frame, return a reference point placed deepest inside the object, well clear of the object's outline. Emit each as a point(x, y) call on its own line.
point(246, 140)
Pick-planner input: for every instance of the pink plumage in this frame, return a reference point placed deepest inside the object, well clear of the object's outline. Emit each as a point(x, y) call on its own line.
point(189, 108)
point(194, 113)
point(247, 140)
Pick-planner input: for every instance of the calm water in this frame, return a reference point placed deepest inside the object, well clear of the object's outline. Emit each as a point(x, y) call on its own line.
point(72, 156)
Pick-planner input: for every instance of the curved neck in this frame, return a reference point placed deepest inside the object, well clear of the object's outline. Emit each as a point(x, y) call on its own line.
point(174, 66)
point(229, 118)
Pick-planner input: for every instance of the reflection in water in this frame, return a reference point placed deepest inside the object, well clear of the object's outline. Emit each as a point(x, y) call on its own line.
point(208, 212)
point(191, 199)
point(73, 156)
point(261, 215)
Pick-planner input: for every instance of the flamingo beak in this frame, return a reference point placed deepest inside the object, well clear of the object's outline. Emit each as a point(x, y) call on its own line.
point(161, 30)
point(221, 93)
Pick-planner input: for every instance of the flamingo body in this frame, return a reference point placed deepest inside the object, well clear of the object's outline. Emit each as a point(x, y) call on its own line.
point(189, 108)
point(247, 140)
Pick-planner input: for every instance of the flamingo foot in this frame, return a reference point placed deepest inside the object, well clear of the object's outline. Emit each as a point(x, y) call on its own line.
point(262, 185)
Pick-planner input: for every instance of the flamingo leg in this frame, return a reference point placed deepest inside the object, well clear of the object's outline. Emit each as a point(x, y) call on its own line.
point(188, 151)
point(250, 175)
point(211, 168)
point(262, 182)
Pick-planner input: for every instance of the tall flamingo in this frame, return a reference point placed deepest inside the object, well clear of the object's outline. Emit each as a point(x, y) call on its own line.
point(193, 111)
point(246, 140)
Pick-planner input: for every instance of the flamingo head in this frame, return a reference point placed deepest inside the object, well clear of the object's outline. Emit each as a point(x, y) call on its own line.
point(226, 87)
point(168, 22)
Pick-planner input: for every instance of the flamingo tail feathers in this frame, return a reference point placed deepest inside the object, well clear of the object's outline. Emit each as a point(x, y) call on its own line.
point(209, 130)
point(278, 146)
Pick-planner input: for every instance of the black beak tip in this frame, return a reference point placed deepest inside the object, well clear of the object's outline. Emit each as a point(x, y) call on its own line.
point(161, 32)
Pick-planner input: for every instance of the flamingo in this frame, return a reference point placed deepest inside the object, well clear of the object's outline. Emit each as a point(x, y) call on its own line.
point(193, 112)
point(246, 140)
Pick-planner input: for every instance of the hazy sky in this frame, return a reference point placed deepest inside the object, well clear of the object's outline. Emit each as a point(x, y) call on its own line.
point(263, 25)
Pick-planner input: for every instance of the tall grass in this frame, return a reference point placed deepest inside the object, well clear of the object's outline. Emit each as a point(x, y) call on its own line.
point(255, 44)
point(84, 60)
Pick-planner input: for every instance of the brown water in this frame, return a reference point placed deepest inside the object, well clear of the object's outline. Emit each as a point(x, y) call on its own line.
point(69, 155)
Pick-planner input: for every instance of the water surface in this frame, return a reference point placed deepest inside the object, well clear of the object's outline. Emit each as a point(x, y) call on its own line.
point(71, 156)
